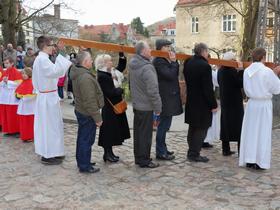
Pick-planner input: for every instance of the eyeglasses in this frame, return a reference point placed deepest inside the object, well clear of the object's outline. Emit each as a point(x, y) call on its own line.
point(50, 45)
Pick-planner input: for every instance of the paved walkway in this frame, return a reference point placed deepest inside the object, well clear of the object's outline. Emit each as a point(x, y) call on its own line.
point(220, 184)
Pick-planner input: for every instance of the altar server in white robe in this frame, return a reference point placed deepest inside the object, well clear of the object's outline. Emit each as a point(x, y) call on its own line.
point(48, 124)
point(260, 83)
point(213, 132)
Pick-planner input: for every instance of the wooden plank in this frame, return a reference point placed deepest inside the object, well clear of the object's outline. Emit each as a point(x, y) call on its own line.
point(156, 53)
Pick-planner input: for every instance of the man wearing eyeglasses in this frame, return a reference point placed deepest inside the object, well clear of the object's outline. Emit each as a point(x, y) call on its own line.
point(48, 124)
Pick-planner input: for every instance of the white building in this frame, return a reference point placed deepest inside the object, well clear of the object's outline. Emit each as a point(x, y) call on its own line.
point(54, 26)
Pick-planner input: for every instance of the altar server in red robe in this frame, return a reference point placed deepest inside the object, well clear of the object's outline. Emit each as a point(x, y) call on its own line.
point(1, 74)
point(11, 78)
point(25, 93)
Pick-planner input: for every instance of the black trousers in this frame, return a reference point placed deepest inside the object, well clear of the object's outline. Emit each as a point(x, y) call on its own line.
point(195, 138)
point(226, 146)
point(143, 133)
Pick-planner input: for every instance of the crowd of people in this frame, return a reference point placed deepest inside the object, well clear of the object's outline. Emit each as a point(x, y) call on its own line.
point(30, 103)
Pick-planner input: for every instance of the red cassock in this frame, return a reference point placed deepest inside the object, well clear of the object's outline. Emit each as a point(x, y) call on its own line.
point(9, 117)
point(1, 73)
point(26, 109)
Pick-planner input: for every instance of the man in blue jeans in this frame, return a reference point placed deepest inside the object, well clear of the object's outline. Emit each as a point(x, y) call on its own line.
point(88, 102)
point(169, 90)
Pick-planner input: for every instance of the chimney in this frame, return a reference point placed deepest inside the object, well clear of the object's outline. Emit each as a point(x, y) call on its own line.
point(57, 11)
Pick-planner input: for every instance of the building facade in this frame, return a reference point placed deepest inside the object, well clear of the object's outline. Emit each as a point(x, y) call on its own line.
point(219, 26)
point(54, 26)
point(215, 23)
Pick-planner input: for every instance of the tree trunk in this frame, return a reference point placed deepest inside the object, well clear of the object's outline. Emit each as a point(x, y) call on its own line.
point(9, 21)
point(21, 38)
point(250, 21)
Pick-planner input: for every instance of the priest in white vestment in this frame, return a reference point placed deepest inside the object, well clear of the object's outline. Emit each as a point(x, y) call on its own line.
point(48, 124)
point(260, 83)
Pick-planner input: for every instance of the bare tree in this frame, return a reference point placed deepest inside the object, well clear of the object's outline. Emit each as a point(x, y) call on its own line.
point(11, 18)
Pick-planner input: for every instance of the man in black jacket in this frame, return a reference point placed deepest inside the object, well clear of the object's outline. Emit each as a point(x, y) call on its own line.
point(169, 90)
point(201, 101)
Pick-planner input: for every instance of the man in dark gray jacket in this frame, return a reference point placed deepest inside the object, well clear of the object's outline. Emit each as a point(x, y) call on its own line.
point(88, 102)
point(146, 102)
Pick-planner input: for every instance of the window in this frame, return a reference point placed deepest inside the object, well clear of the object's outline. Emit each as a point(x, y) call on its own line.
point(172, 32)
point(194, 24)
point(229, 23)
point(27, 41)
point(270, 22)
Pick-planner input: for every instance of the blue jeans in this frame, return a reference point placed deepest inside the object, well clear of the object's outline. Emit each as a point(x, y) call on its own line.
point(85, 140)
point(60, 92)
point(163, 127)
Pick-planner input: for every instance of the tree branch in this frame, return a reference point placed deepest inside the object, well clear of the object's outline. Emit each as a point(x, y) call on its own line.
point(233, 7)
point(36, 12)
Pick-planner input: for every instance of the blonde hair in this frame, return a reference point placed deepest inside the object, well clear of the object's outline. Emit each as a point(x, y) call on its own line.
point(27, 71)
point(100, 60)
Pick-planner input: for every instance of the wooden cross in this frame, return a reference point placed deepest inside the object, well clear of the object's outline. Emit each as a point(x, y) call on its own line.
point(155, 53)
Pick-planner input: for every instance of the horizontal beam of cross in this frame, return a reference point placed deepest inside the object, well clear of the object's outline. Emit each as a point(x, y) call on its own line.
point(156, 53)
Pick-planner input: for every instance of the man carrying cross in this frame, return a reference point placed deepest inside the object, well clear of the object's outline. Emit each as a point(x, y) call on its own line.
point(48, 124)
point(260, 83)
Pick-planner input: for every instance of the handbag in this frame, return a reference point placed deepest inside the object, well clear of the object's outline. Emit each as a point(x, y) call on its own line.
point(120, 107)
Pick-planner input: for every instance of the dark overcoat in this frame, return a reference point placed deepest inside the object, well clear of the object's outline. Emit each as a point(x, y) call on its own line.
point(114, 129)
point(169, 89)
point(232, 111)
point(200, 94)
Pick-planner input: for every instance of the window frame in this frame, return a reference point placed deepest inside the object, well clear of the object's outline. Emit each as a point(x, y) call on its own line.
point(194, 25)
point(229, 23)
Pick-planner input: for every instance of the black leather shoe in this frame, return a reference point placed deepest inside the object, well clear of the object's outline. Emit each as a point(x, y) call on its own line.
point(250, 165)
point(165, 157)
point(90, 171)
point(109, 158)
point(150, 165)
point(50, 161)
point(207, 145)
point(257, 167)
point(113, 155)
point(92, 163)
point(228, 153)
point(170, 152)
point(198, 159)
point(60, 157)
point(16, 135)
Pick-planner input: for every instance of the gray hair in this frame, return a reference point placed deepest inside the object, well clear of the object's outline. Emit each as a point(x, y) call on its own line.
point(199, 48)
point(100, 61)
point(140, 46)
point(82, 56)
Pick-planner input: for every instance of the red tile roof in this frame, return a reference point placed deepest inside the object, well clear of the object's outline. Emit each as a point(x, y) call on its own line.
point(96, 30)
point(185, 2)
point(161, 27)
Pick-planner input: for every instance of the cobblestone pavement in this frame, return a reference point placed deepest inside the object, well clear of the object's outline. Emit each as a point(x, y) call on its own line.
point(27, 184)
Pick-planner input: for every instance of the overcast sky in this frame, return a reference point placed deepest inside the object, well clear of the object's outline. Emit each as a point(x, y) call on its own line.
point(114, 11)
